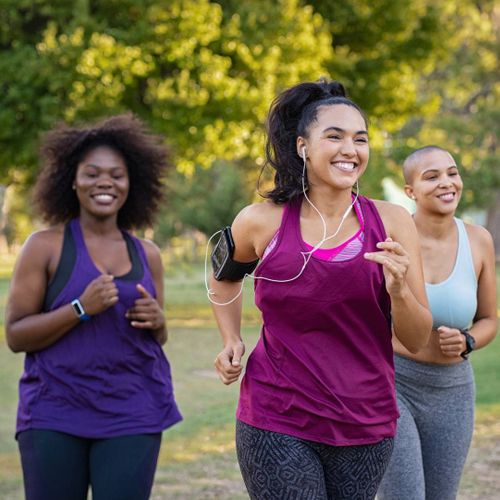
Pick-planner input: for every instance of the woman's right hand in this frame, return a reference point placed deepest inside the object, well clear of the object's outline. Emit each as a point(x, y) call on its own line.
point(228, 362)
point(100, 294)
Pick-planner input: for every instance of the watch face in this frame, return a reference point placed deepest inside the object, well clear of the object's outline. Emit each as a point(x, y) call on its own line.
point(77, 307)
point(470, 341)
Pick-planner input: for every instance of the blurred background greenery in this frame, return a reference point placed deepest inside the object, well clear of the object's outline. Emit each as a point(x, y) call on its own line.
point(203, 73)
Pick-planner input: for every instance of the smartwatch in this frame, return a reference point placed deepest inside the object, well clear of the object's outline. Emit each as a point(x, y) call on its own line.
point(470, 343)
point(79, 310)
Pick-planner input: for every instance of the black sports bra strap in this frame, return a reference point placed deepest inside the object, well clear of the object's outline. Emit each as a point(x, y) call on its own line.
point(64, 269)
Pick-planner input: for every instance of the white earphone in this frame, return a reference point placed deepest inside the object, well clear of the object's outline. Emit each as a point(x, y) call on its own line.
point(305, 255)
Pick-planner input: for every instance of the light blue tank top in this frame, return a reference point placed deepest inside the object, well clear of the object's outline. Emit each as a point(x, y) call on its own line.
point(453, 302)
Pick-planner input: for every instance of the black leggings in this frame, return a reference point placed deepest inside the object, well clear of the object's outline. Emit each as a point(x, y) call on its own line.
point(277, 467)
point(59, 466)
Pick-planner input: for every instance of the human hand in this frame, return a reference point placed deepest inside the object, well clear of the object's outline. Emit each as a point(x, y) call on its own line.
point(395, 262)
point(146, 312)
point(100, 294)
point(451, 341)
point(228, 362)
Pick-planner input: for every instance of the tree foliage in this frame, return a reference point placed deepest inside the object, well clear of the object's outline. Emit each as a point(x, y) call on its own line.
point(468, 88)
point(203, 81)
point(206, 201)
point(203, 73)
point(381, 51)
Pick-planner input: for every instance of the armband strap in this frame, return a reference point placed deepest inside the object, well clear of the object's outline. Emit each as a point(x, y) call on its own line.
point(233, 270)
point(224, 267)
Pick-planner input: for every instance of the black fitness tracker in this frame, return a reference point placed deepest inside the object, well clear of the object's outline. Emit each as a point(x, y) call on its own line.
point(470, 343)
point(79, 310)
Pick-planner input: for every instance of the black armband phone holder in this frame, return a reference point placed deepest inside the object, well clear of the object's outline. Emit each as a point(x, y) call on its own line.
point(225, 268)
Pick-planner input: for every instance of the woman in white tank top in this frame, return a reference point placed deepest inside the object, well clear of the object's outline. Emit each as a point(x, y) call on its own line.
point(435, 387)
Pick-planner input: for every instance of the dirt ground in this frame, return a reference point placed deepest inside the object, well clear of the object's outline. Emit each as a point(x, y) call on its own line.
point(217, 477)
point(481, 479)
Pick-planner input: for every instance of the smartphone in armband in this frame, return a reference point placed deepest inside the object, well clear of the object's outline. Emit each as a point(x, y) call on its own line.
point(224, 267)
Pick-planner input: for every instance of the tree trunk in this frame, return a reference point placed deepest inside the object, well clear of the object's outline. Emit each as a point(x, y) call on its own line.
point(493, 223)
point(3, 219)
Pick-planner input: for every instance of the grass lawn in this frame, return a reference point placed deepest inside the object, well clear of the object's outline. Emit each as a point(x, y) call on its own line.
point(197, 459)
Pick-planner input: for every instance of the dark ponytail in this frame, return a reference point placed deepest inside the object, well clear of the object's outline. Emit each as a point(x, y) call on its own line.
point(290, 115)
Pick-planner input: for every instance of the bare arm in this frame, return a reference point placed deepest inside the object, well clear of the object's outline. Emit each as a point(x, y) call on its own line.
point(252, 230)
point(400, 257)
point(148, 311)
point(27, 327)
point(485, 324)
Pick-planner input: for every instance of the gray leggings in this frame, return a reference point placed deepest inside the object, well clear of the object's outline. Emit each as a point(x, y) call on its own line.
point(434, 431)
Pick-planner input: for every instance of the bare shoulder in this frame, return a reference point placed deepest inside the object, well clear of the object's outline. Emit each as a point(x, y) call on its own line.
point(254, 227)
point(260, 216)
point(41, 252)
point(478, 234)
point(391, 210)
point(481, 242)
point(44, 242)
point(152, 252)
point(396, 218)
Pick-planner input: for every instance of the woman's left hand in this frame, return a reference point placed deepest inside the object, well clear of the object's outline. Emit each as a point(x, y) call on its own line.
point(395, 261)
point(146, 313)
point(451, 341)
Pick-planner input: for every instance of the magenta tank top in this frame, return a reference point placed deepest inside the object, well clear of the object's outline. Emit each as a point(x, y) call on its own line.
point(323, 368)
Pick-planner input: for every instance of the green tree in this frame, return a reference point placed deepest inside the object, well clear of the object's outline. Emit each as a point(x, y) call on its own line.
point(203, 81)
point(206, 201)
point(467, 121)
point(203, 74)
point(382, 49)
point(426, 73)
point(197, 78)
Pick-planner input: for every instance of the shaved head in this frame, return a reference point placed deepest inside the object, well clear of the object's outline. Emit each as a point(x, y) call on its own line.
point(413, 160)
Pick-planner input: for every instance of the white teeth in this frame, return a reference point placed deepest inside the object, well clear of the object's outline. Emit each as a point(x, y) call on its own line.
point(103, 197)
point(447, 196)
point(345, 166)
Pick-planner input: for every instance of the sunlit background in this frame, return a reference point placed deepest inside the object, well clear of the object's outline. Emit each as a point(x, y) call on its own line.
point(203, 74)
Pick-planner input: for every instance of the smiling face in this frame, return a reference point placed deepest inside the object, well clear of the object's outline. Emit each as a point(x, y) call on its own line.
point(436, 185)
point(337, 147)
point(101, 182)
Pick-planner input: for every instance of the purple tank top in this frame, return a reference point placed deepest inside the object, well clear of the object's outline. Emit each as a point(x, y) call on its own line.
point(322, 369)
point(103, 378)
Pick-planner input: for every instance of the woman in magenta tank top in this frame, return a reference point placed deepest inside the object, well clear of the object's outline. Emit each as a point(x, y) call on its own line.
point(86, 306)
point(317, 410)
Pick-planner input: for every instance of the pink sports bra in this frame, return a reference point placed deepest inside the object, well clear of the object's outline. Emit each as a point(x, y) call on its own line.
point(345, 251)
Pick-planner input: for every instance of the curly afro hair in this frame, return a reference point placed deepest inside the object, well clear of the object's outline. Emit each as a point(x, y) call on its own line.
point(64, 147)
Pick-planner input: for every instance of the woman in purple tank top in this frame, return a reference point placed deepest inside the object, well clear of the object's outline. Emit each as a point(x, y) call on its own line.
point(317, 410)
point(86, 306)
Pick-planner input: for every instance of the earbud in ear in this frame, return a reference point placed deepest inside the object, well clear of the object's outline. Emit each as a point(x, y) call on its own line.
point(304, 152)
point(413, 197)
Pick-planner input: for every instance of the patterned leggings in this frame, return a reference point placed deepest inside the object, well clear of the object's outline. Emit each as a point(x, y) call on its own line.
point(280, 467)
